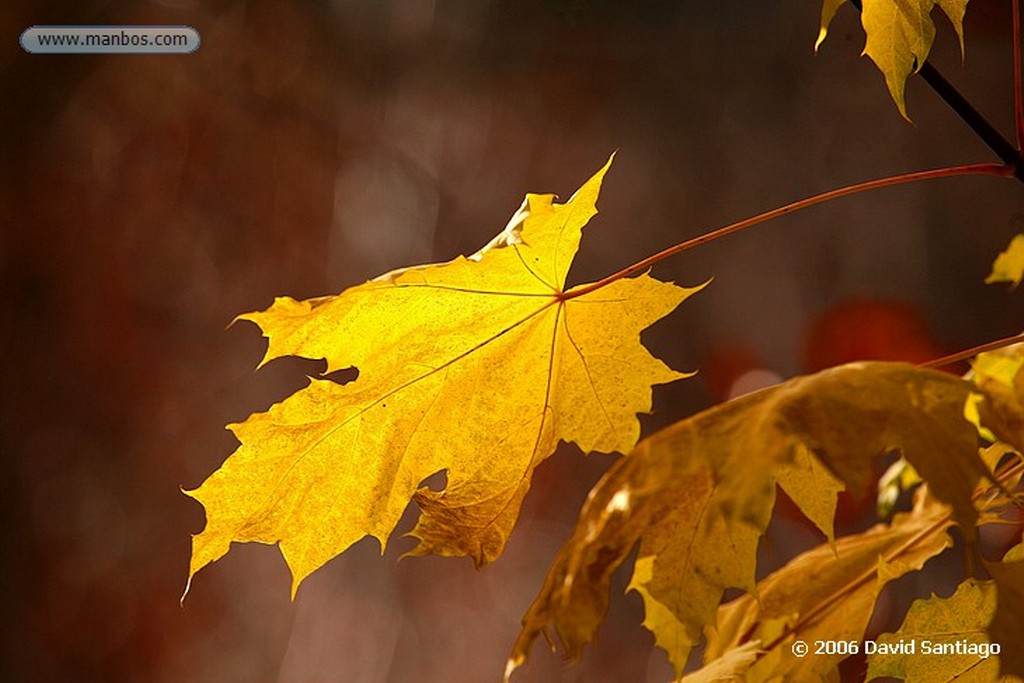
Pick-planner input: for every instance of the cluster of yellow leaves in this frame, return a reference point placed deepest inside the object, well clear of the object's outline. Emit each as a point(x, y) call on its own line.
point(899, 35)
point(981, 614)
point(963, 617)
point(477, 367)
point(480, 366)
point(1000, 377)
point(827, 594)
point(698, 495)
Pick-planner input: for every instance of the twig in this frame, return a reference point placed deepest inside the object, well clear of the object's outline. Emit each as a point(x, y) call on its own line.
point(969, 353)
point(970, 169)
point(1018, 96)
point(1006, 151)
point(1003, 148)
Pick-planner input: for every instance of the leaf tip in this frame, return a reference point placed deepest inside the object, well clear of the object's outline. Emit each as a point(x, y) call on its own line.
point(593, 186)
point(188, 587)
point(822, 33)
point(897, 90)
point(1009, 264)
point(828, 13)
point(511, 665)
point(247, 317)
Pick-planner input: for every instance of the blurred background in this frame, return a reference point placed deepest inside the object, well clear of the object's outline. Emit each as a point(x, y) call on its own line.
point(146, 200)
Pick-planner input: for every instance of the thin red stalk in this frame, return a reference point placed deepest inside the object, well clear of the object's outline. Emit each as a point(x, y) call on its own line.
point(970, 169)
point(970, 353)
point(1018, 93)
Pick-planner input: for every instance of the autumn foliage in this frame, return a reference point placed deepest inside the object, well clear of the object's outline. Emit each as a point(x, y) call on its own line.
point(477, 367)
point(481, 366)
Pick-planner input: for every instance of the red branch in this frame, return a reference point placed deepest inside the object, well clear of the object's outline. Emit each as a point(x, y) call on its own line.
point(970, 353)
point(1018, 95)
point(1003, 170)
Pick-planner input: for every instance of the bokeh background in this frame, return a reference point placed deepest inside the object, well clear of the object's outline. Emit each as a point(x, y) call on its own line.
point(308, 146)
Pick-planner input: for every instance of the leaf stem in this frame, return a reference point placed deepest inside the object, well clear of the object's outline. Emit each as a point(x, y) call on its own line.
point(1018, 95)
point(1006, 151)
point(970, 169)
point(974, 351)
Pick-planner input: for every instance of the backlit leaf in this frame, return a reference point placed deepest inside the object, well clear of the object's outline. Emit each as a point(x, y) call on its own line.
point(1000, 376)
point(1001, 365)
point(828, 12)
point(829, 595)
point(937, 629)
point(477, 367)
point(899, 35)
point(1009, 265)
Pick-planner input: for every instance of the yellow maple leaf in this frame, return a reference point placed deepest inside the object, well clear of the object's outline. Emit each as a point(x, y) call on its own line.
point(1009, 265)
point(476, 367)
point(899, 35)
point(942, 639)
